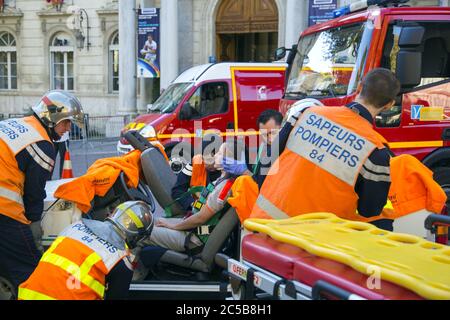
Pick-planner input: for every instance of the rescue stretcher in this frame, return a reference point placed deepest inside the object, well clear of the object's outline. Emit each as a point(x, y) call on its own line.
point(280, 270)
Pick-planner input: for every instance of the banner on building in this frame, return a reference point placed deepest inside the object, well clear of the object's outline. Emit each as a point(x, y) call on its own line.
point(148, 43)
point(321, 10)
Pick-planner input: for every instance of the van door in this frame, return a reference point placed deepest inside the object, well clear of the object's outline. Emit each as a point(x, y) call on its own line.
point(255, 89)
point(209, 108)
point(416, 124)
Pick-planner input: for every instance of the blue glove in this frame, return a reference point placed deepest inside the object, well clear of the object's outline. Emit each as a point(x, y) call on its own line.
point(234, 167)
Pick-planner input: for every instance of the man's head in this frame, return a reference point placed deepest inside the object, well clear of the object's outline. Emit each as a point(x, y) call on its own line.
point(378, 90)
point(234, 149)
point(57, 109)
point(210, 146)
point(269, 123)
point(150, 38)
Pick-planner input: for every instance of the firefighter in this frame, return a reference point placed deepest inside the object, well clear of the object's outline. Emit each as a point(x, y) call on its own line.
point(27, 160)
point(91, 260)
point(335, 161)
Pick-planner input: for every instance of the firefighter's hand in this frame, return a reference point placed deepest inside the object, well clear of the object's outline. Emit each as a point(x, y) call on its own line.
point(36, 230)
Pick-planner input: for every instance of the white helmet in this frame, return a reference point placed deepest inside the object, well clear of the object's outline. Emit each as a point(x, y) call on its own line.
point(134, 220)
point(301, 105)
point(58, 105)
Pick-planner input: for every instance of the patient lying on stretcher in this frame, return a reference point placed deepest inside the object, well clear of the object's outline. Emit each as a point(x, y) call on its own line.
point(193, 231)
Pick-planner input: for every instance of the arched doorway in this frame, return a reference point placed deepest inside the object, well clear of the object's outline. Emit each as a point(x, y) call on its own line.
point(246, 30)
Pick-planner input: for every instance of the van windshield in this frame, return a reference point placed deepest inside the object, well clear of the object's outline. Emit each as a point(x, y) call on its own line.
point(325, 62)
point(171, 97)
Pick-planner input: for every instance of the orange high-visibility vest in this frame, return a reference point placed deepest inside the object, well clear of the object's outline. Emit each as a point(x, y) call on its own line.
point(73, 268)
point(16, 135)
point(244, 193)
point(319, 168)
point(198, 178)
point(413, 189)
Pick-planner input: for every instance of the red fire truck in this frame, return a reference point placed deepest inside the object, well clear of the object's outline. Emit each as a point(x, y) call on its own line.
point(414, 42)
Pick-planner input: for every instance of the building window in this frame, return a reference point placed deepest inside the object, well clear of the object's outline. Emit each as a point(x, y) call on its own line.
point(8, 62)
point(114, 63)
point(61, 64)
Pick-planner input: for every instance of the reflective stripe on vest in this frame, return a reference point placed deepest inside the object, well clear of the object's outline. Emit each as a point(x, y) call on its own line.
point(80, 273)
point(330, 146)
point(11, 195)
point(270, 208)
point(110, 255)
point(27, 294)
point(40, 157)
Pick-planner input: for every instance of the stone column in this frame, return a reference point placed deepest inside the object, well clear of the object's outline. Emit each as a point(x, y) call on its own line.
point(169, 42)
point(127, 57)
point(146, 84)
point(296, 21)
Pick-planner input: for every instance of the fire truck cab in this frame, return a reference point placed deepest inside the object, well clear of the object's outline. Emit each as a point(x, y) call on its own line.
point(331, 58)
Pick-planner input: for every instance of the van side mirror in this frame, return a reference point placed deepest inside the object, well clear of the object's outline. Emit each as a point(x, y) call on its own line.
point(280, 53)
point(409, 76)
point(186, 111)
point(410, 54)
point(411, 36)
point(292, 53)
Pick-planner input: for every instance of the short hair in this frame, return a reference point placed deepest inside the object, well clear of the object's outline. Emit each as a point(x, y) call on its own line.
point(268, 114)
point(379, 87)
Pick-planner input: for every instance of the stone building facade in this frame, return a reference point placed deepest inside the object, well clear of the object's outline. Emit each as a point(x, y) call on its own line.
point(42, 45)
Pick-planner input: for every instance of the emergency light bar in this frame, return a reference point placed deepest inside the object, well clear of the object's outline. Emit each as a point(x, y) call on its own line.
point(364, 4)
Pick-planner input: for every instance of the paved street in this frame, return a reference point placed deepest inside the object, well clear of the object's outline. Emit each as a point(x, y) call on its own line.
point(84, 153)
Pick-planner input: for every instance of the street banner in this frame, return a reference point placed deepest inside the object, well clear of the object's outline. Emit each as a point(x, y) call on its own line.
point(148, 43)
point(321, 10)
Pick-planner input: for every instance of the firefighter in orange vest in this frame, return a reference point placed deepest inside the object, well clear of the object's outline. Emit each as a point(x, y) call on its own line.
point(91, 260)
point(335, 161)
point(27, 159)
point(199, 173)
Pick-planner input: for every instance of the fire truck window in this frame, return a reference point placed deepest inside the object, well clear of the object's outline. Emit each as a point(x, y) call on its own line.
point(390, 118)
point(209, 99)
point(435, 52)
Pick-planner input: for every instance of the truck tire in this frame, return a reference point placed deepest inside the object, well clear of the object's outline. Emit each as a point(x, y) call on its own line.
point(238, 291)
point(6, 290)
point(442, 176)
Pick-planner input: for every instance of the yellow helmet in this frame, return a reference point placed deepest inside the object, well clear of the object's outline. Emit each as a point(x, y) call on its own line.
point(134, 220)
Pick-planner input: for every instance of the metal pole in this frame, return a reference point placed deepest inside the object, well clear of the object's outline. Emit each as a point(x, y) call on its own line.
point(127, 57)
point(169, 42)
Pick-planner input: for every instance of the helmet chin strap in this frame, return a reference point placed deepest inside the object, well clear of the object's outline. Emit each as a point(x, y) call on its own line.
point(53, 135)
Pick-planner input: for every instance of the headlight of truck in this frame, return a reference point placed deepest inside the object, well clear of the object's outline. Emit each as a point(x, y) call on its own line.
point(148, 132)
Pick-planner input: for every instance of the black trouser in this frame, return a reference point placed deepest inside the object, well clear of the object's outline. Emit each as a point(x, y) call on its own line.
point(385, 224)
point(19, 255)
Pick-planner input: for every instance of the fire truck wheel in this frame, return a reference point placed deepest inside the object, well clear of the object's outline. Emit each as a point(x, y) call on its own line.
point(6, 290)
point(442, 176)
point(237, 290)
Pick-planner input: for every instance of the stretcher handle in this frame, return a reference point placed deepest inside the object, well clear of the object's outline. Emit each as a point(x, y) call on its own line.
point(221, 260)
point(327, 288)
point(434, 220)
point(137, 141)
